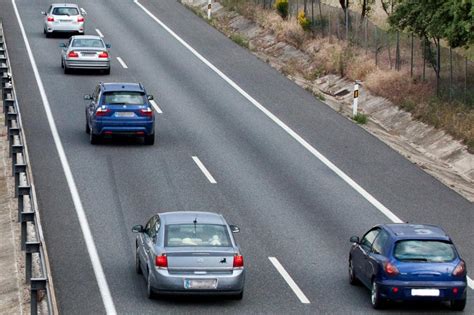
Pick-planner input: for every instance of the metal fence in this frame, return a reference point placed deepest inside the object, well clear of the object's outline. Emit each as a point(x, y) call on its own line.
point(391, 50)
point(36, 272)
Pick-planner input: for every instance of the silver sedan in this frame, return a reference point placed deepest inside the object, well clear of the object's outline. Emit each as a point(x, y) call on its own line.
point(85, 52)
point(189, 253)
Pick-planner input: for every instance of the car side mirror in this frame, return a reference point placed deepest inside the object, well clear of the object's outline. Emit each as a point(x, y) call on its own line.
point(234, 228)
point(87, 97)
point(43, 13)
point(138, 229)
point(149, 97)
point(354, 239)
point(108, 46)
point(62, 45)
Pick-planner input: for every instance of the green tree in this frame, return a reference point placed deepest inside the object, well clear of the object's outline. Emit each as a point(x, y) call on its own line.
point(460, 32)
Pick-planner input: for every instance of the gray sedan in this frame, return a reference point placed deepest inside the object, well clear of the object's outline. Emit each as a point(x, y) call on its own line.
point(85, 52)
point(189, 252)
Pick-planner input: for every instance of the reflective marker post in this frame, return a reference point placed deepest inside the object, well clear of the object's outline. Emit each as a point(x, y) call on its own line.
point(356, 98)
point(209, 5)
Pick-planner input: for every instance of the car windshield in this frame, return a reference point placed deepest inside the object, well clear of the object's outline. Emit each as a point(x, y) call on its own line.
point(196, 235)
point(424, 251)
point(65, 11)
point(124, 98)
point(87, 42)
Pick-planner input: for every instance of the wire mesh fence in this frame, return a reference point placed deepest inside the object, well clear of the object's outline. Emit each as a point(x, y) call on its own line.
point(390, 49)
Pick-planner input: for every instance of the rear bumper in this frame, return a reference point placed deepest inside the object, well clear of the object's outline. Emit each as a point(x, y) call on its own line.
point(87, 64)
point(164, 282)
point(52, 27)
point(446, 290)
point(110, 128)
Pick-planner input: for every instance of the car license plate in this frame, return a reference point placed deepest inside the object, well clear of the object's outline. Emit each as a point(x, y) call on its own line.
point(124, 114)
point(424, 292)
point(88, 53)
point(200, 284)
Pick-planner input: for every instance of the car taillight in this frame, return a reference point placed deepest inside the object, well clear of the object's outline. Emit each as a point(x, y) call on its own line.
point(73, 54)
point(238, 261)
point(460, 269)
point(147, 112)
point(80, 19)
point(161, 261)
point(104, 54)
point(102, 111)
point(390, 269)
point(50, 19)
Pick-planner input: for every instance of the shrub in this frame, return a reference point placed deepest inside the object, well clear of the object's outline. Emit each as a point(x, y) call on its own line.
point(282, 8)
point(304, 22)
point(360, 118)
point(240, 40)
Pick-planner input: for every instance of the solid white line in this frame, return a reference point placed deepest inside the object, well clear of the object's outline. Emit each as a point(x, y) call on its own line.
point(156, 107)
point(377, 204)
point(296, 289)
point(124, 65)
point(84, 224)
point(99, 32)
point(204, 170)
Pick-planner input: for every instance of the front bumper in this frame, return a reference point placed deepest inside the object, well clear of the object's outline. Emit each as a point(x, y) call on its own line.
point(404, 290)
point(165, 282)
point(87, 64)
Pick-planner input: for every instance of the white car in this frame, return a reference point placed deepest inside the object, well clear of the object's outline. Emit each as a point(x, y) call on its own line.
point(64, 17)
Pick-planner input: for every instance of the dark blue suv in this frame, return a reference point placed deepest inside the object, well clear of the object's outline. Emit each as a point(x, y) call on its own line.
point(120, 109)
point(402, 262)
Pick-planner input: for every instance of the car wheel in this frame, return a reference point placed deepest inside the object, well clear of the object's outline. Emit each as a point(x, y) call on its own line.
point(138, 268)
point(375, 298)
point(352, 277)
point(458, 305)
point(94, 139)
point(149, 290)
point(62, 63)
point(239, 296)
point(47, 34)
point(150, 139)
point(88, 130)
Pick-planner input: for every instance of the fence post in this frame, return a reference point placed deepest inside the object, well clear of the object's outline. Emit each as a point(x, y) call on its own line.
point(450, 74)
point(397, 52)
point(411, 57)
point(424, 58)
point(366, 35)
point(347, 20)
point(356, 99)
point(465, 81)
point(376, 47)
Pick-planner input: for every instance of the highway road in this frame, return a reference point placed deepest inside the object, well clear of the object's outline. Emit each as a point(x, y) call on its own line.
point(257, 137)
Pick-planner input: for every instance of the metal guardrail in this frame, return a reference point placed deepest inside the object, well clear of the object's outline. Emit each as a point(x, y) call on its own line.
point(31, 234)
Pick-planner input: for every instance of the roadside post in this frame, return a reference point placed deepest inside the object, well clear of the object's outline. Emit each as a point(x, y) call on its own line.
point(356, 99)
point(209, 7)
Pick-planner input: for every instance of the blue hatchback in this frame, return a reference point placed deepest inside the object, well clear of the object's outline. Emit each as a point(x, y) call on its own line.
point(120, 109)
point(406, 262)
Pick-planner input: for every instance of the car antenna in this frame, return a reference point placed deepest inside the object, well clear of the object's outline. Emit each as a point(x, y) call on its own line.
point(195, 222)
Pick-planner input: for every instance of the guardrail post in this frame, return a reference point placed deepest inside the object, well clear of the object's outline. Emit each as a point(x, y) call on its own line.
point(22, 191)
point(30, 249)
point(16, 148)
point(37, 284)
point(25, 217)
point(17, 169)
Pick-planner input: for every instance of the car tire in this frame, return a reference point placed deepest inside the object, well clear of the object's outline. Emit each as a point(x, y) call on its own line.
point(138, 268)
point(375, 298)
point(239, 296)
point(93, 138)
point(352, 276)
point(458, 305)
point(88, 130)
point(47, 34)
point(149, 290)
point(150, 139)
point(66, 70)
point(62, 63)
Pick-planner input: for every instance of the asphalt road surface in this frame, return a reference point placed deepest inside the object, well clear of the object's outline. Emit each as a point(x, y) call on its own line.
point(289, 204)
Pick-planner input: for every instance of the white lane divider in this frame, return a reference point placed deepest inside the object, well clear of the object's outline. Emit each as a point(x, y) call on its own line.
point(99, 32)
point(124, 65)
point(156, 107)
point(81, 215)
point(204, 170)
point(296, 289)
point(377, 204)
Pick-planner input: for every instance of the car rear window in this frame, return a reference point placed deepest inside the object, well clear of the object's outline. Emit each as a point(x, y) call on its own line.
point(424, 251)
point(124, 98)
point(196, 235)
point(65, 11)
point(88, 42)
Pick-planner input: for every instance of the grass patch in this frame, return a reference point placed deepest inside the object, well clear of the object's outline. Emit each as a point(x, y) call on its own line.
point(320, 96)
point(240, 40)
point(360, 118)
